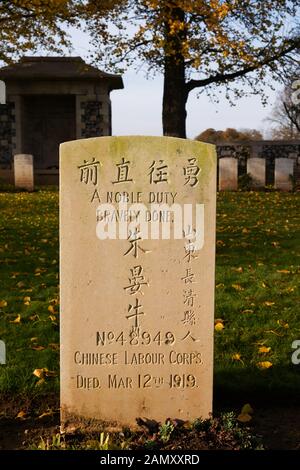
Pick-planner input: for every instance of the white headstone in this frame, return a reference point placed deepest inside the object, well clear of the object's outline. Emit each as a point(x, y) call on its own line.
point(284, 168)
point(136, 309)
point(2, 352)
point(23, 168)
point(2, 92)
point(256, 168)
point(228, 174)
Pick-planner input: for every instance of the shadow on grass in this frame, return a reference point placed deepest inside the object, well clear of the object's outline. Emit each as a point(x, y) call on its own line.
point(236, 386)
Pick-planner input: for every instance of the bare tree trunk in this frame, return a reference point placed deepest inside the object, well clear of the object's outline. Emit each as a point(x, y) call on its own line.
point(175, 89)
point(174, 100)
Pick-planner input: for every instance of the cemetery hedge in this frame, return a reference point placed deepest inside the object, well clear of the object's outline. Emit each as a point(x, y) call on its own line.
point(257, 297)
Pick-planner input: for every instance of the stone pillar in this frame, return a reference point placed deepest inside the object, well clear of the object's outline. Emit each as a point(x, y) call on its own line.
point(17, 124)
point(92, 116)
point(7, 134)
point(78, 116)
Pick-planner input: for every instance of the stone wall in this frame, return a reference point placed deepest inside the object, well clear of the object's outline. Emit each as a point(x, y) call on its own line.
point(95, 122)
point(7, 134)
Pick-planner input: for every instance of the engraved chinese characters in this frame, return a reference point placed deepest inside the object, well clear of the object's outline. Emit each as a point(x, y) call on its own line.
point(137, 279)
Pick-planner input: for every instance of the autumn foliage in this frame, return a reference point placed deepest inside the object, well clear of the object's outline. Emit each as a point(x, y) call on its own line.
point(196, 44)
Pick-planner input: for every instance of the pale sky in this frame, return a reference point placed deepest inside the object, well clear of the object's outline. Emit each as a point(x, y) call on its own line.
point(137, 109)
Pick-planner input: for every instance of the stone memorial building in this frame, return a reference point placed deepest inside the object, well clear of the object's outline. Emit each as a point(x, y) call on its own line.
point(50, 100)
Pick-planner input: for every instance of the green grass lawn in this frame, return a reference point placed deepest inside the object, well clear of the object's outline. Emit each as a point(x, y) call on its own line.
point(257, 296)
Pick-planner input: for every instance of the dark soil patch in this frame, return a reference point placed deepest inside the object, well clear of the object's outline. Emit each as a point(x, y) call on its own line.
point(278, 427)
point(16, 432)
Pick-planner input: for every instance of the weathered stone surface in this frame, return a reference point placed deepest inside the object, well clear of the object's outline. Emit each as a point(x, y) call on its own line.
point(284, 169)
point(228, 174)
point(2, 92)
point(256, 167)
point(23, 168)
point(2, 352)
point(136, 312)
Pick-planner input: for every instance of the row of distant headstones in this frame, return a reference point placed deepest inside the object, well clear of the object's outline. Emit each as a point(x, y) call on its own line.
point(228, 173)
point(255, 176)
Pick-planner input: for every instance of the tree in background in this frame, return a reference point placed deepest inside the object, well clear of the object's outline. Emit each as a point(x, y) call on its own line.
point(197, 44)
point(212, 136)
point(29, 25)
point(286, 113)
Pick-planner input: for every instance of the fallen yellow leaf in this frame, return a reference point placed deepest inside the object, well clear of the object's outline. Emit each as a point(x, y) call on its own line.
point(37, 348)
point(264, 349)
point(16, 320)
point(289, 290)
point(268, 303)
point(39, 373)
point(238, 270)
point(21, 415)
point(244, 418)
point(283, 271)
point(237, 287)
point(51, 309)
point(219, 326)
point(3, 303)
point(47, 413)
point(264, 365)
point(283, 324)
point(236, 357)
point(43, 373)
